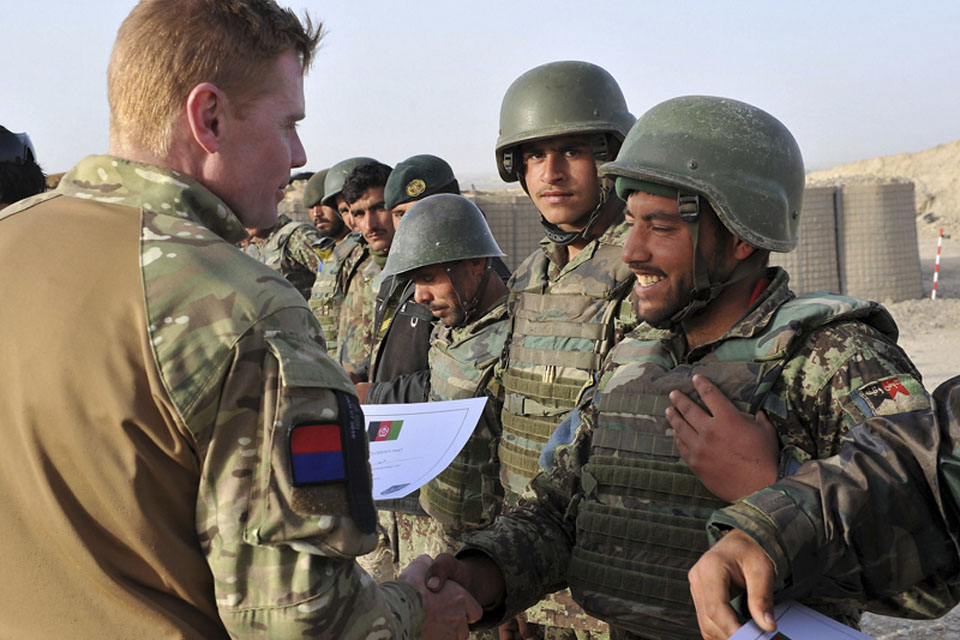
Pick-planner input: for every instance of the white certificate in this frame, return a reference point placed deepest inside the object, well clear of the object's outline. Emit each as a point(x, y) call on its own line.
point(797, 622)
point(411, 443)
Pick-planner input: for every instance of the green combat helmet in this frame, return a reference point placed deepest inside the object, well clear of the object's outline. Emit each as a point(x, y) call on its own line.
point(442, 229)
point(418, 177)
point(740, 158)
point(337, 175)
point(558, 99)
point(313, 191)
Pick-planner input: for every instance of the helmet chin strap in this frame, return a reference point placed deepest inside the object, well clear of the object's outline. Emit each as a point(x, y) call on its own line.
point(470, 305)
point(704, 291)
point(600, 149)
point(558, 236)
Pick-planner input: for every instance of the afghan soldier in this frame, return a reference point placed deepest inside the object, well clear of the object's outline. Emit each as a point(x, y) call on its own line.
point(326, 220)
point(295, 249)
point(568, 301)
point(182, 459)
point(363, 194)
point(402, 326)
point(446, 251)
point(336, 275)
point(712, 185)
point(20, 175)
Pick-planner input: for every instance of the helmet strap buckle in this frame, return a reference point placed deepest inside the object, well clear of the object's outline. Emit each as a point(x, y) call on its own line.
point(688, 206)
point(600, 147)
point(508, 161)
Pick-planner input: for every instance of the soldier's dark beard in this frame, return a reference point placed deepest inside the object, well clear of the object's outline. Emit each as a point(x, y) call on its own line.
point(335, 230)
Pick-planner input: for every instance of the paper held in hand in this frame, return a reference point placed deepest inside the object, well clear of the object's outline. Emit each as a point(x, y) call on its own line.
point(411, 443)
point(798, 622)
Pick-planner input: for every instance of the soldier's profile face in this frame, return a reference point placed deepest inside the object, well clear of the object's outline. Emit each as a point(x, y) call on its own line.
point(435, 290)
point(561, 178)
point(260, 146)
point(659, 252)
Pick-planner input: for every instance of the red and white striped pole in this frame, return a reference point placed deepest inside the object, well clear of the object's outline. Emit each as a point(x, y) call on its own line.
point(936, 268)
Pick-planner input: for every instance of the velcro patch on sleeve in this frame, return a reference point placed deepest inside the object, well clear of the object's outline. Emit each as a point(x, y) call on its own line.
point(316, 454)
point(893, 395)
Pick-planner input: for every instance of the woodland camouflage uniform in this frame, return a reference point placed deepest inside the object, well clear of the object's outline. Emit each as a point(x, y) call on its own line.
point(833, 380)
point(295, 249)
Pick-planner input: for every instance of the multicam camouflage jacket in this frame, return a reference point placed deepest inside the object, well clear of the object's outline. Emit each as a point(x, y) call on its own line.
point(833, 379)
point(295, 249)
point(246, 377)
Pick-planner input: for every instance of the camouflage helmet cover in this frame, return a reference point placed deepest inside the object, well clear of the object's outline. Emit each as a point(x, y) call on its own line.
point(416, 178)
point(313, 190)
point(742, 159)
point(440, 228)
point(559, 98)
point(337, 175)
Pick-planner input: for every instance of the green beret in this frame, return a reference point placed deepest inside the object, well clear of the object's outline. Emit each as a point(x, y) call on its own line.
point(313, 191)
point(418, 177)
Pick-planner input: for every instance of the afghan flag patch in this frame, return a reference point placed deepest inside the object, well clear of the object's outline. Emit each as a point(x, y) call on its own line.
point(380, 430)
point(316, 454)
point(893, 395)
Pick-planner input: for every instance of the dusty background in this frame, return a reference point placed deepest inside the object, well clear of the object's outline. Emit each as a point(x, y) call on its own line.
point(929, 329)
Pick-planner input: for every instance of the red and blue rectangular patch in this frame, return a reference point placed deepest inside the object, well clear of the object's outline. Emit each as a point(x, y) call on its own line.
point(316, 453)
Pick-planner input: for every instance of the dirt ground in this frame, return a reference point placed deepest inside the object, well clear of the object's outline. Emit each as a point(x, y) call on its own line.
point(930, 334)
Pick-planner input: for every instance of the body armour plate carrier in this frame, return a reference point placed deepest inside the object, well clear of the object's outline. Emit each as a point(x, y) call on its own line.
point(467, 493)
point(561, 332)
point(642, 518)
point(327, 294)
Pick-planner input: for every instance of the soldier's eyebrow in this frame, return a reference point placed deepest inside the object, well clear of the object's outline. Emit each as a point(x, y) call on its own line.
point(660, 215)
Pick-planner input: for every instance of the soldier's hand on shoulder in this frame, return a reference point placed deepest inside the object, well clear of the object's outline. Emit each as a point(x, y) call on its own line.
point(732, 453)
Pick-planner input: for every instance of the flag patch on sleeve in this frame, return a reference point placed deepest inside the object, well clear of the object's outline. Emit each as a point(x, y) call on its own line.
point(316, 454)
point(893, 395)
point(380, 430)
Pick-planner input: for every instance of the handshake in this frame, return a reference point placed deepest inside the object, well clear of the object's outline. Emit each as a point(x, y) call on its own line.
point(455, 592)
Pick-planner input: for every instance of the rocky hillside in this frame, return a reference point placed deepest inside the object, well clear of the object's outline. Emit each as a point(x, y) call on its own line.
point(934, 173)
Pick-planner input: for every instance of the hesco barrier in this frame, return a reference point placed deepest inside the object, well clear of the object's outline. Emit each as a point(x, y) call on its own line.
point(880, 259)
point(858, 239)
point(514, 221)
point(813, 265)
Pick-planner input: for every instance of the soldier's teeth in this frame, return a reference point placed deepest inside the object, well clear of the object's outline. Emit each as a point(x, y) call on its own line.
point(646, 281)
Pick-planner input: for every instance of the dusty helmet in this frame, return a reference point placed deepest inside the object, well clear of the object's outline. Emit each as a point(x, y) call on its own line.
point(742, 159)
point(556, 99)
point(337, 175)
point(313, 190)
point(440, 228)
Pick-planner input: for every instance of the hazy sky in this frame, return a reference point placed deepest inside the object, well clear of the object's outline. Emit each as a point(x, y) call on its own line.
point(850, 79)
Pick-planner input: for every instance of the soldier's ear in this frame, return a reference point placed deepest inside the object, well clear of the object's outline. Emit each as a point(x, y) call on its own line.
point(742, 249)
point(206, 108)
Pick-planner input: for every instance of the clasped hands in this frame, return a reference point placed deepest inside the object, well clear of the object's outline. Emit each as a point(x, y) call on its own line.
point(454, 592)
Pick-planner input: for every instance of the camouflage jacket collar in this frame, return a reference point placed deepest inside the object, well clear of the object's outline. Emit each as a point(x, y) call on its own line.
point(455, 335)
point(758, 316)
point(613, 234)
point(143, 186)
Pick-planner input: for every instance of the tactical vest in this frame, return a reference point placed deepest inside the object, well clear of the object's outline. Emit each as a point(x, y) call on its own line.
point(467, 493)
point(326, 296)
point(642, 517)
point(561, 332)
